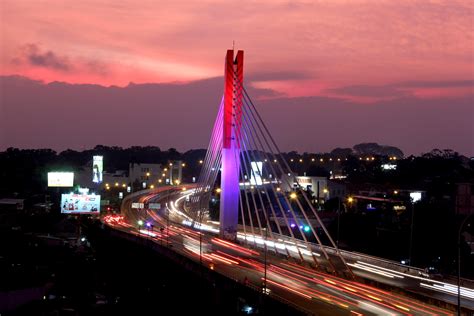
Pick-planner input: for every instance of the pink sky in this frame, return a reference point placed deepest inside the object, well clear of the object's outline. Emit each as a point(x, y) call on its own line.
point(319, 44)
point(362, 51)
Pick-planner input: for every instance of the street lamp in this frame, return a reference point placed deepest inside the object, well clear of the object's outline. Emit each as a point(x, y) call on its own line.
point(459, 261)
point(147, 177)
point(338, 218)
point(412, 206)
point(265, 263)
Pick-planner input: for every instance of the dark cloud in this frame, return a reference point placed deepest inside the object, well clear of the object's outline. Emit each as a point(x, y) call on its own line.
point(397, 90)
point(368, 91)
point(61, 115)
point(436, 84)
point(97, 67)
point(277, 76)
point(35, 56)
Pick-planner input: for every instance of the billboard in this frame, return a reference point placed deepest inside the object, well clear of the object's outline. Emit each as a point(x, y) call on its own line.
point(138, 205)
point(256, 176)
point(97, 168)
point(80, 203)
point(60, 179)
point(415, 196)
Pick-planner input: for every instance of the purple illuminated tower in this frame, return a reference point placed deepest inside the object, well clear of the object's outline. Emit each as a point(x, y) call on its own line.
point(229, 207)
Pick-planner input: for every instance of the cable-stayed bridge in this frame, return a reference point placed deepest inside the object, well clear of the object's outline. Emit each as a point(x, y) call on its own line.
point(269, 234)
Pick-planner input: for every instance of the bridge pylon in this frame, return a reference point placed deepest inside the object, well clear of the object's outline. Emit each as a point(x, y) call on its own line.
point(232, 121)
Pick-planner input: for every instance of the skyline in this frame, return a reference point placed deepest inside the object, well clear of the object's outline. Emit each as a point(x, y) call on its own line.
point(399, 74)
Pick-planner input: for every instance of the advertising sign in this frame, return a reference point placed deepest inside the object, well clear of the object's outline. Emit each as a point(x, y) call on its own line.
point(80, 203)
point(256, 176)
point(60, 179)
point(154, 206)
point(138, 205)
point(415, 196)
point(97, 169)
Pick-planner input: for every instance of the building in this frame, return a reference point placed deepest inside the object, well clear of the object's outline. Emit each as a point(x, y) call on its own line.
point(12, 204)
point(145, 173)
point(175, 172)
point(323, 189)
point(465, 198)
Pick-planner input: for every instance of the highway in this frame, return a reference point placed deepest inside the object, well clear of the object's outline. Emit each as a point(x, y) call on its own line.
point(264, 264)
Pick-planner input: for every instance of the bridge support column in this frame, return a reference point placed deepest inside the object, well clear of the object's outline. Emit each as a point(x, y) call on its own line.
point(230, 190)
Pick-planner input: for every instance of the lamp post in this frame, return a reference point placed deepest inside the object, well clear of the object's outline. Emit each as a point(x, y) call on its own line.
point(147, 178)
point(168, 221)
point(200, 238)
point(338, 218)
point(265, 262)
point(411, 232)
point(140, 223)
point(459, 261)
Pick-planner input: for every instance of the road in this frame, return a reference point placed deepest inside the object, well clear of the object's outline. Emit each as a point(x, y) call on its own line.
point(265, 264)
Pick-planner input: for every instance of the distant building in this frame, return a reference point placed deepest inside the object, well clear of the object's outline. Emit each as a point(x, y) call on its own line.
point(465, 198)
point(322, 188)
point(175, 172)
point(12, 204)
point(148, 173)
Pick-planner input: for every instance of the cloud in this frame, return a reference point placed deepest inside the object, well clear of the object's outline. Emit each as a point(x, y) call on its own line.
point(436, 84)
point(145, 114)
point(403, 89)
point(35, 56)
point(368, 91)
point(278, 76)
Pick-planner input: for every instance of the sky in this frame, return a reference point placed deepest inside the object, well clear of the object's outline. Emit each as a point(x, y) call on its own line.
point(324, 74)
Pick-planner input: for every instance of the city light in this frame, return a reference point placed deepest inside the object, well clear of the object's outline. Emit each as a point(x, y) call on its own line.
point(218, 190)
point(183, 165)
point(152, 186)
point(140, 222)
point(325, 190)
point(147, 174)
point(116, 184)
point(200, 161)
point(350, 199)
point(293, 195)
